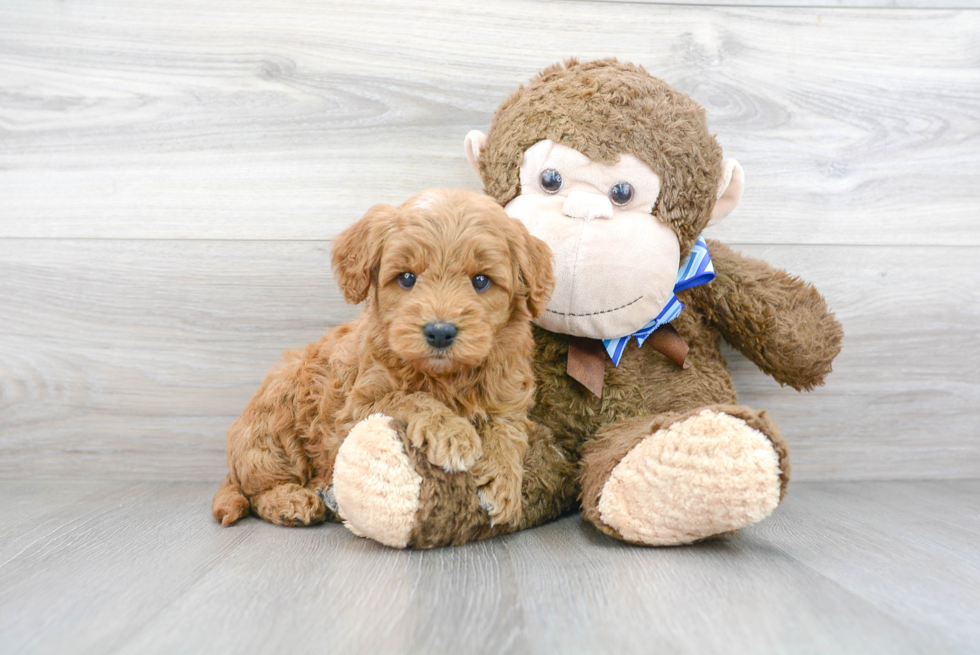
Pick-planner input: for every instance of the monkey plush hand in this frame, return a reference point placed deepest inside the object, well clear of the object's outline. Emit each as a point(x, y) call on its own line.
point(617, 172)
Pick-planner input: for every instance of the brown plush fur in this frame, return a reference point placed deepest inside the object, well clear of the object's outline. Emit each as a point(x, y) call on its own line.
point(780, 323)
point(464, 407)
point(449, 507)
point(605, 108)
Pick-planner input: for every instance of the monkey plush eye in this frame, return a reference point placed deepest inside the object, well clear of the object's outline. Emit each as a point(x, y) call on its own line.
point(551, 180)
point(621, 194)
point(406, 280)
point(481, 282)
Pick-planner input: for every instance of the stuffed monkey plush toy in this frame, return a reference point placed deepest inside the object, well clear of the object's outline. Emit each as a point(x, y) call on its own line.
point(638, 417)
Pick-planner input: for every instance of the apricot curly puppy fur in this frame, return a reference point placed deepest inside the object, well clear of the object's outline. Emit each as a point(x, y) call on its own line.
point(443, 348)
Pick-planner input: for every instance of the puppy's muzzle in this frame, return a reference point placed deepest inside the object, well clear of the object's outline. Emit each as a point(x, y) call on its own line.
point(440, 335)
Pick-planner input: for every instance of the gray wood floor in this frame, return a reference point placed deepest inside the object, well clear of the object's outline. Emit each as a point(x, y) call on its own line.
point(122, 567)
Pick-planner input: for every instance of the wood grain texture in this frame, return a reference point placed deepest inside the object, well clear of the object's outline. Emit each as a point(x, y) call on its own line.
point(132, 358)
point(143, 568)
point(128, 359)
point(818, 4)
point(861, 535)
point(171, 174)
point(286, 120)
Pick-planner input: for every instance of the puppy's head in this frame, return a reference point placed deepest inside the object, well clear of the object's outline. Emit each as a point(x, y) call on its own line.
point(445, 275)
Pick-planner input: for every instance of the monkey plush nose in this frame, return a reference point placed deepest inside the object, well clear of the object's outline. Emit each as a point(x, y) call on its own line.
point(580, 204)
point(439, 335)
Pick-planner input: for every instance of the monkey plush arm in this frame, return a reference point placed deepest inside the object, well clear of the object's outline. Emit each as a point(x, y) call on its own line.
point(778, 321)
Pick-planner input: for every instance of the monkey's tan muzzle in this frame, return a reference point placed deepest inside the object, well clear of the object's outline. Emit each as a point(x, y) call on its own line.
point(587, 206)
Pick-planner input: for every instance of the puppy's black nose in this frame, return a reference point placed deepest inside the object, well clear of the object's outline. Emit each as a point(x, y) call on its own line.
point(439, 335)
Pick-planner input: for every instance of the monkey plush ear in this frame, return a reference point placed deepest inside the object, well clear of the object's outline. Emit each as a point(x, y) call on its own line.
point(475, 140)
point(357, 252)
point(730, 187)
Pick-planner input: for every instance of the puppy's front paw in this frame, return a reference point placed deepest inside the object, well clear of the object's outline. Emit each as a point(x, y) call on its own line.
point(501, 497)
point(450, 442)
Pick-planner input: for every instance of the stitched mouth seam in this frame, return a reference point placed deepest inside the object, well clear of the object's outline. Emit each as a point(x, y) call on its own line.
point(604, 311)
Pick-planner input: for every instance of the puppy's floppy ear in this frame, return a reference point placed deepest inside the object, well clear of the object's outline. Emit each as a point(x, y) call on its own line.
point(357, 252)
point(536, 271)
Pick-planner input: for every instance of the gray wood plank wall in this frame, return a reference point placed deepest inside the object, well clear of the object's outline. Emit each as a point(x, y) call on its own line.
point(172, 173)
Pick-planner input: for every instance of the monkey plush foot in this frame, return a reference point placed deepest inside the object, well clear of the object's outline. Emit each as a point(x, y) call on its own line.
point(707, 473)
point(388, 490)
point(375, 485)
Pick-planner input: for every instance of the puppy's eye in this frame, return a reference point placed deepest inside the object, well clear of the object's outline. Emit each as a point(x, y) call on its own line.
point(621, 194)
point(551, 181)
point(406, 280)
point(481, 282)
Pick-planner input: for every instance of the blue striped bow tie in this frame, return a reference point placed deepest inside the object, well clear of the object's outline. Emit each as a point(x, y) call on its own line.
point(697, 269)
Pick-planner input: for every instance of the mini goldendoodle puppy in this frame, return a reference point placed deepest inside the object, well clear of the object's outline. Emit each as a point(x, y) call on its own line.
point(443, 348)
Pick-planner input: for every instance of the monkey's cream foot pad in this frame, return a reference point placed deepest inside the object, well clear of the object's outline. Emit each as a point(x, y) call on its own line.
point(706, 475)
point(375, 485)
